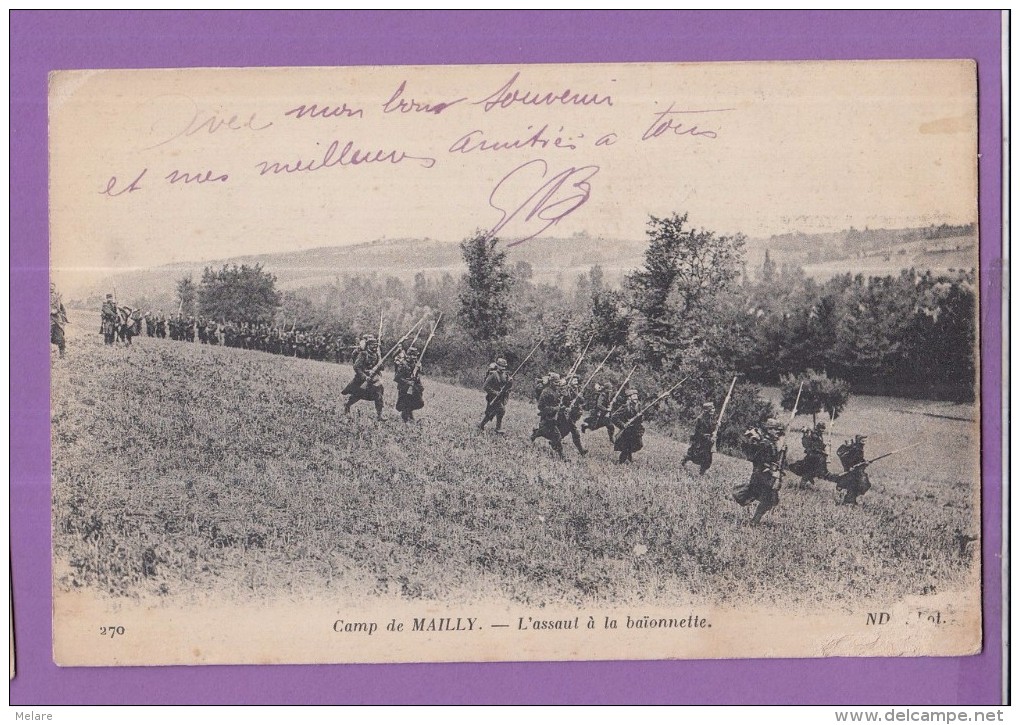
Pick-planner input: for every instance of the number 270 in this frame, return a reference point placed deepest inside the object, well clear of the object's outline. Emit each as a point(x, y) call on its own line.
point(111, 632)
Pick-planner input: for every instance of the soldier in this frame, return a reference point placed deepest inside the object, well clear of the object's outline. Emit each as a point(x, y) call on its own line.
point(160, 325)
point(599, 415)
point(630, 439)
point(497, 392)
point(548, 411)
point(125, 324)
point(212, 332)
point(570, 413)
point(203, 330)
point(854, 481)
point(702, 439)
point(814, 464)
point(410, 388)
point(367, 382)
point(58, 319)
point(766, 474)
point(189, 329)
point(110, 317)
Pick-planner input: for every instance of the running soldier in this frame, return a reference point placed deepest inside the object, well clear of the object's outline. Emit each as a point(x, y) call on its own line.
point(627, 418)
point(815, 462)
point(854, 481)
point(110, 323)
point(570, 413)
point(410, 388)
point(767, 473)
point(58, 319)
point(367, 382)
point(599, 415)
point(548, 411)
point(497, 387)
point(702, 439)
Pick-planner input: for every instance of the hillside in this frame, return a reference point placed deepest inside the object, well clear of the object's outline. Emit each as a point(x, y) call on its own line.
point(555, 260)
point(180, 469)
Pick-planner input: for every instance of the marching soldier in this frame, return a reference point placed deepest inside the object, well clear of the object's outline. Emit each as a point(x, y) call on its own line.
point(815, 462)
point(766, 474)
point(570, 413)
point(599, 415)
point(58, 319)
point(548, 411)
point(631, 424)
point(497, 392)
point(410, 388)
point(854, 481)
point(367, 382)
point(702, 439)
point(110, 317)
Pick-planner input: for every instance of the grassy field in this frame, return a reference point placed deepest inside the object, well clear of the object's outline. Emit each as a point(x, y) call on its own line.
point(181, 469)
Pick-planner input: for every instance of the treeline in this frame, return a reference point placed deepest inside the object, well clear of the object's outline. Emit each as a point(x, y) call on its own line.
point(911, 335)
point(690, 312)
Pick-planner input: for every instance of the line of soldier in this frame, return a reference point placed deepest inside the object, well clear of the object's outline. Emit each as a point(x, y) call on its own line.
point(561, 407)
point(127, 322)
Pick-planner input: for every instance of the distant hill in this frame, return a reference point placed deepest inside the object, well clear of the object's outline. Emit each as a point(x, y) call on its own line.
point(558, 260)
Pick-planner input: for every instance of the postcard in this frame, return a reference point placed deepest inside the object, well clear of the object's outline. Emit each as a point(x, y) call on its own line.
point(514, 363)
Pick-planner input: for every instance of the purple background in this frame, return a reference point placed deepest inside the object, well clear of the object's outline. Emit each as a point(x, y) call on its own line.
point(44, 41)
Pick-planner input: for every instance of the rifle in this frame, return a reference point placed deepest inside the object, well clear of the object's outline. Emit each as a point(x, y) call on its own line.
point(862, 464)
point(576, 365)
point(659, 399)
point(786, 445)
point(382, 360)
point(591, 377)
point(722, 411)
point(418, 333)
point(609, 408)
point(506, 386)
point(417, 365)
point(379, 337)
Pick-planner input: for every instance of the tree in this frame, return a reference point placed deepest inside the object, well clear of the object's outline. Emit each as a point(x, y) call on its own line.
point(186, 295)
point(242, 294)
point(673, 295)
point(485, 289)
point(820, 393)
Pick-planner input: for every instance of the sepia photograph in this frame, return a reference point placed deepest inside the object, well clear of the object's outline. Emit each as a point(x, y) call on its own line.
point(631, 361)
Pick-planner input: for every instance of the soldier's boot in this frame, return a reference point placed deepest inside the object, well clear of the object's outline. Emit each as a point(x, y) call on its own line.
point(763, 508)
point(499, 423)
point(405, 415)
point(704, 467)
point(576, 438)
point(584, 426)
point(379, 409)
point(348, 404)
point(535, 435)
point(611, 433)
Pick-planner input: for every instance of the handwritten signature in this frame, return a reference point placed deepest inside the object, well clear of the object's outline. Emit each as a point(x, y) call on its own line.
point(199, 119)
point(557, 197)
point(665, 122)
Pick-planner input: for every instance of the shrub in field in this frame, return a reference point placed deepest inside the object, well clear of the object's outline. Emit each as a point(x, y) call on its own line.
point(485, 289)
point(819, 393)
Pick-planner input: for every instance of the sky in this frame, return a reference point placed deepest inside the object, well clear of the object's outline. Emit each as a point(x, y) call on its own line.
point(156, 166)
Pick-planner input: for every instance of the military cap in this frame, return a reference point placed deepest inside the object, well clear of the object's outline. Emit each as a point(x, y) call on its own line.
point(412, 351)
point(632, 393)
point(109, 296)
point(773, 423)
point(820, 426)
point(553, 377)
point(501, 362)
point(708, 405)
point(598, 386)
